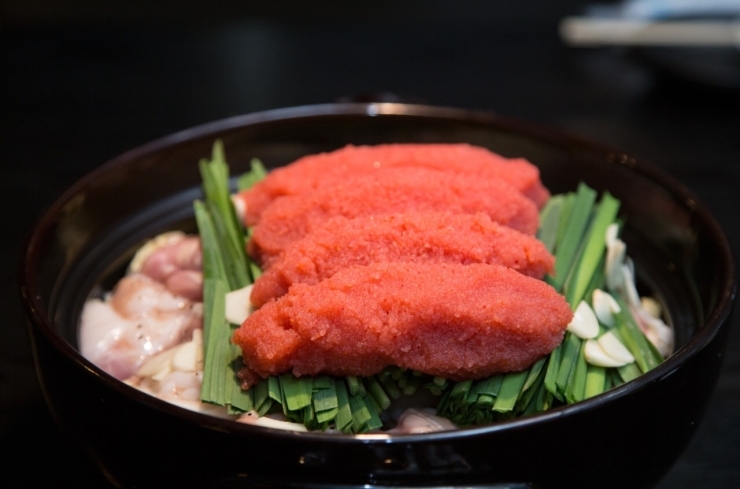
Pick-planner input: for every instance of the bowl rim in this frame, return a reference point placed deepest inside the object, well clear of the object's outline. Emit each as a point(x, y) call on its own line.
point(37, 313)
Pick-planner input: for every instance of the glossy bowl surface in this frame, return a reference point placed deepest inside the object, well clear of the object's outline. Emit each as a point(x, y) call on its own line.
point(627, 437)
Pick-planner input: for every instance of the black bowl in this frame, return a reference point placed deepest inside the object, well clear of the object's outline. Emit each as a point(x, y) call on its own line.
point(627, 437)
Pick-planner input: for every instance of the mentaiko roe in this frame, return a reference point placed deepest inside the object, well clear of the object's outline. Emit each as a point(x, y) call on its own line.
point(452, 320)
point(313, 171)
point(423, 237)
point(395, 190)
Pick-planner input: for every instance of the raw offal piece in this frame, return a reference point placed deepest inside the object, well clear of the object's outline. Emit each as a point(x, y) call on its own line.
point(423, 237)
point(456, 321)
point(310, 172)
point(393, 191)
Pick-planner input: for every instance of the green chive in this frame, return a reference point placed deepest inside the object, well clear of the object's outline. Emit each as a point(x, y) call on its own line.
point(509, 392)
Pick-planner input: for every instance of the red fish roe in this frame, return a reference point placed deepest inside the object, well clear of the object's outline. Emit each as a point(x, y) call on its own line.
point(413, 236)
point(457, 321)
point(395, 190)
point(310, 172)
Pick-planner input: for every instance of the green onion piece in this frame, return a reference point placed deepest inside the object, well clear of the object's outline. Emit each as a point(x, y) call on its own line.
point(570, 356)
point(360, 413)
point(567, 249)
point(256, 173)
point(262, 400)
point(412, 384)
point(550, 222)
point(490, 386)
point(629, 372)
point(595, 247)
point(390, 387)
point(325, 396)
point(551, 373)
point(377, 392)
point(213, 263)
point(577, 386)
point(526, 404)
point(274, 390)
point(595, 381)
point(534, 372)
point(297, 391)
point(343, 421)
point(633, 338)
point(509, 392)
point(326, 416)
point(353, 384)
point(215, 341)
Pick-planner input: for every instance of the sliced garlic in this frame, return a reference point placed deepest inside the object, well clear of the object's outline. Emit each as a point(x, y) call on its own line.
point(605, 307)
point(615, 256)
point(238, 306)
point(615, 348)
point(611, 234)
point(156, 363)
point(584, 323)
point(651, 306)
point(628, 284)
point(252, 418)
point(186, 357)
point(595, 355)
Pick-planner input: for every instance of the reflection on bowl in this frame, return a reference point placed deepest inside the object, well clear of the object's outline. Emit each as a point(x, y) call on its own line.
point(629, 436)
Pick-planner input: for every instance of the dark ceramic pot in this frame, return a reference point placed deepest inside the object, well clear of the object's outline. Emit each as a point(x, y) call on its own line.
point(627, 437)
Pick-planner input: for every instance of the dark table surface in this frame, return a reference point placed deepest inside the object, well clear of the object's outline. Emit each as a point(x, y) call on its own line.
point(80, 86)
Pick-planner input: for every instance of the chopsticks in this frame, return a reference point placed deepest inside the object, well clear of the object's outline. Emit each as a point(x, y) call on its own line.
point(594, 32)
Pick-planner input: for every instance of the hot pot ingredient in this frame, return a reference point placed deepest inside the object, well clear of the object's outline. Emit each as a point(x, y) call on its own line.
point(139, 319)
point(393, 191)
point(313, 171)
point(451, 320)
point(422, 237)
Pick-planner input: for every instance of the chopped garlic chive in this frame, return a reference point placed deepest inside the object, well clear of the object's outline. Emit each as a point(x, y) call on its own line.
point(595, 381)
point(568, 247)
point(216, 342)
point(568, 360)
point(390, 387)
point(511, 387)
point(256, 173)
point(629, 372)
point(353, 385)
point(325, 397)
point(343, 420)
point(594, 247)
point(577, 387)
point(550, 222)
point(360, 413)
point(632, 337)
point(551, 373)
point(377, 392)
point(297, 391)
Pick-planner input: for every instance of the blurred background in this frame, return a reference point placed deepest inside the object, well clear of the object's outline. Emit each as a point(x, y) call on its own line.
point(84, 81)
